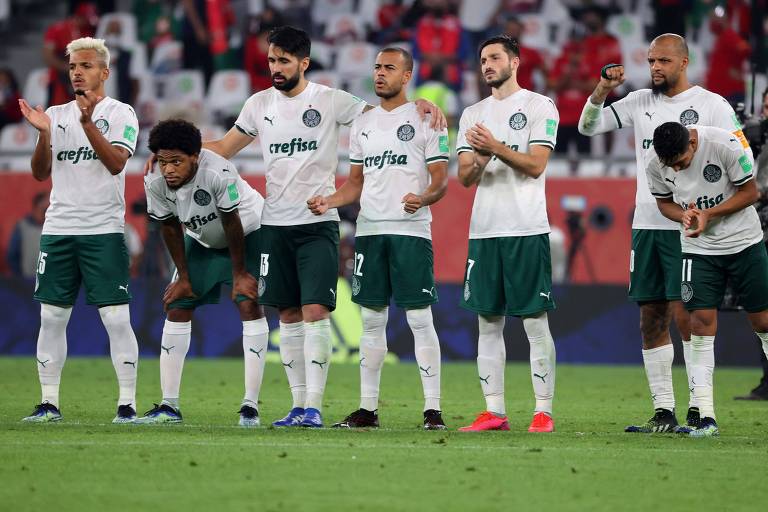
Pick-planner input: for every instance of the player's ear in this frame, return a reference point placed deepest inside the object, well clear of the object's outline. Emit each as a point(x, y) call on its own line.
point(304, 64)
point(407, 76)
point(104, 74)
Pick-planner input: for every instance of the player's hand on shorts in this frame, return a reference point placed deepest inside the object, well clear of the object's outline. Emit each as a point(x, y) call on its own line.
point(36, 116)
point(245, 284)
point(179, 289)
point(318, 205)
point(149, 165)
point(411, 203)
point(438, 120)
point(615, 78)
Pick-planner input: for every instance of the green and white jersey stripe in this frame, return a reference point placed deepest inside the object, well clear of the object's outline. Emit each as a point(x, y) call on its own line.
point(395, 149)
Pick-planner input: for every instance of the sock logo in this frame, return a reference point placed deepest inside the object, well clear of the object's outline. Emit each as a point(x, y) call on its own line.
point(426, 371)
point(289, 365)
point(167, 349)
point(42, 363)
point(485, 379)
point(320, 363)
point(542, 377)
point(132, 363)
point(257, 352)
point(361, 362)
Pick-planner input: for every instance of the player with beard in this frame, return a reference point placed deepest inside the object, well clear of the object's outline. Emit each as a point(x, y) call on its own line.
point(398, 167)
point(504, 143)
point(655, 261)
point(297, 123)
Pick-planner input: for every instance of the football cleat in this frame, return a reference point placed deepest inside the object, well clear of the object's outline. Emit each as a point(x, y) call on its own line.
point(361, 418)
point(487, 421)
point(759, 393)
point(433, 420)
point(707, 428)
point(125, 414)
point(292, 419)
point(542, 422)
point(312, 418)
point(44, 413)
point(693, 418)
point(249, 416)
point(663, 421)
point(160, 413)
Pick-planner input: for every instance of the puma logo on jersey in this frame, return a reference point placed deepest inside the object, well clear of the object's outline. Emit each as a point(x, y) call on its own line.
point(123, 288)
point(426, 371)
point(132, 363)
point(297, 145)
point(542, 377)
point(387, 158)
point(650, 115)
point(171, 200)
point(82, 153)
point(270, 121)
point(167, 349)
point(485, 379)
point(671, 181)
point(365, 134)
point(63, 128)
point(430, 292)
point(257, 352)
point(545, 295)
point(320, 363)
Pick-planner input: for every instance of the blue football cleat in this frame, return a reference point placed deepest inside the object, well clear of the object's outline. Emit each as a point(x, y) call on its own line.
point(44, 413)
point(125, 414)
point(312, 418)
point(162, 413)
point(707, 428)
point(292, 419)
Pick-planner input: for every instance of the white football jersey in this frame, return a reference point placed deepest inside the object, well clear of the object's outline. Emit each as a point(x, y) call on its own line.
point(719, 165)
point(394, 149)
point(86, 199)
point(646, 111)
point(215, 188)
point(299, 137)
point(508, 202)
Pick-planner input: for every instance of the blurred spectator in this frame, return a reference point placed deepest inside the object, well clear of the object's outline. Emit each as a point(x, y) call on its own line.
point(24, 246)
point(440, 41)
point(669, 16)
point(82, 23)
point(120, 62)
point(476, 19)
point(390, 19)
point(204, 33)
point(256, 63)
point(436, 91)
point(515, 7)
point(153, 22)
point(530, 59)
point(9, 98)
point(728, 59)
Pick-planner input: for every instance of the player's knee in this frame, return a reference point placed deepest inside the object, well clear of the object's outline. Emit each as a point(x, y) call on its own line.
point(536, 327)
point(703, 322)
point(115, 317)
point(490, 325)
point(374, 319)
point(759, 321)
point(54, 315)
point(291, 315)
point(419, 319)
point(654, 323)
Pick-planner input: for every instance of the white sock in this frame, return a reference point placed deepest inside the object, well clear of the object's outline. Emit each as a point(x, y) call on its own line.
point(687, 359)
point(702, 369)
point(658, 369)
point(543, 360)
point(124, 350)
point(491, 359)
point(52, 350)
point(373, 349)
point(173, 349)
point(317, 359)
point(292, 355)
point(427, 349)
point(764, 338)
point(255, 341)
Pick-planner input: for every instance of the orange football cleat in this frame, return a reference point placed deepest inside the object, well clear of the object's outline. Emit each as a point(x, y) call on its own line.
point(542, 422)
point(487, 421)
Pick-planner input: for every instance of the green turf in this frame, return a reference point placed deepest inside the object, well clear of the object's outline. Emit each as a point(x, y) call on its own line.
point(85, 463)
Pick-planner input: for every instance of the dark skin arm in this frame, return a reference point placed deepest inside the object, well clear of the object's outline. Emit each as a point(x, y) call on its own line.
point(113, 157)
point(173, 235)
point(243, 283)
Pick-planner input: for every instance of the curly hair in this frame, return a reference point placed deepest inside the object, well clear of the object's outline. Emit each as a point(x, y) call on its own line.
point(670, 140)
point(175, 134)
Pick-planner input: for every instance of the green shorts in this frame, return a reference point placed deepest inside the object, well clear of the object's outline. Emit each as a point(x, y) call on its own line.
point(509, 276)
point(705, 278)
point(393, 265)
point(654, 265)
point(100, 262)
point(299, 265)
point(210, 268)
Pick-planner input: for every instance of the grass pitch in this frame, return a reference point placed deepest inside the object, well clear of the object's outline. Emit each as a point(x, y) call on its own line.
point(85, 463)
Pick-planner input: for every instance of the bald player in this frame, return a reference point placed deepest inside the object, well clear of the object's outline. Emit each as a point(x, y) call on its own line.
point(655, 263)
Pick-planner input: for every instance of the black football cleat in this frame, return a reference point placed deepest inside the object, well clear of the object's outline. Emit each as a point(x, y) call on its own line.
point(361, 418)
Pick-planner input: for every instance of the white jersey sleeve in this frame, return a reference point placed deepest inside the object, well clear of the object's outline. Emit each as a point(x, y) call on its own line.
point(739, 162)
point(346, 107)
point(597, 119)
point(436, 147)
point(246, 121)
point(723, 116)
point(158, 206)
point(544, 127)
point(656, 184)
point(461, 138)
point(123, 129)
point(356, 155)
point(224, 189)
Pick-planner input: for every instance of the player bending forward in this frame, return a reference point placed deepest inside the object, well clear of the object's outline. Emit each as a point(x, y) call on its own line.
point(703, 179)
point(504, 144)
point(221, 214)
point(399, 166)
point(84, 146)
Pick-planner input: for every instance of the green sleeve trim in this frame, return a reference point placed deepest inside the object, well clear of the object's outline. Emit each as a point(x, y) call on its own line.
point(462, 149)
point(670, 194)
point(355, 161)
point(228, 210)
point(743, 180)
point(547, 143)
point(243, 131)
point(615, 114)
point(123, 144)
point(161, 218)
point(439, 158)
